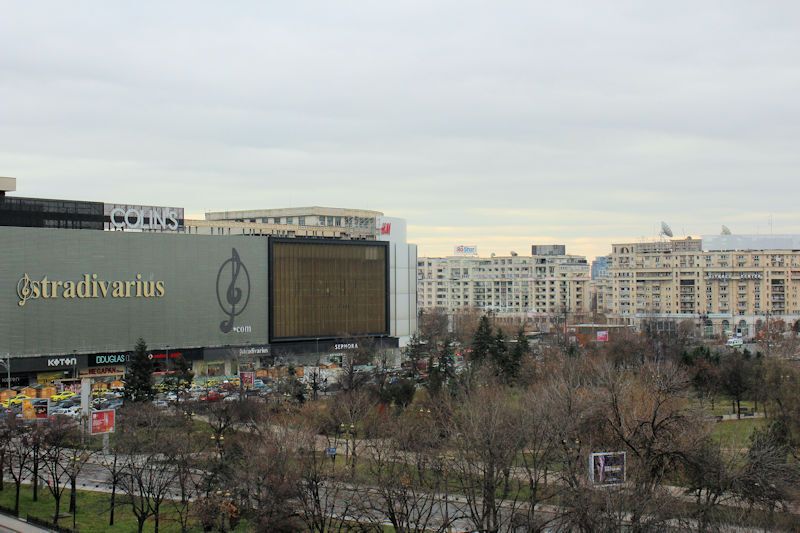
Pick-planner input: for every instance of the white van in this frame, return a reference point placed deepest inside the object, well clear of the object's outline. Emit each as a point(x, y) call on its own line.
point(735, 342)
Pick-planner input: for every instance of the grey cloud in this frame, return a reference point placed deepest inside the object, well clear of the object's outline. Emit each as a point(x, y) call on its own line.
point(444, 112)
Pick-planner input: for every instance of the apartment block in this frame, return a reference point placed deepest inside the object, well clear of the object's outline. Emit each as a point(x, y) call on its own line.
point(545, 284)
point(730, 291)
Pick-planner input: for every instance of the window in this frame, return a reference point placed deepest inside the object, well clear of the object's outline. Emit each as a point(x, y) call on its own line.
point(301, 221)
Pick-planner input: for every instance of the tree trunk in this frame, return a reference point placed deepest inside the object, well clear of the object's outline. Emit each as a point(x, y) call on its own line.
point(58, 509)
point(113, 500)
point(2, 469)
point(140, 521)
point(16, 498)
point(36, 473)
point(156, 518)
point(738, 408)
point(72, 495)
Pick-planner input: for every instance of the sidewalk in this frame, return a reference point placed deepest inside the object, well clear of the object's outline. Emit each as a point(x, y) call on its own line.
point(9, 524)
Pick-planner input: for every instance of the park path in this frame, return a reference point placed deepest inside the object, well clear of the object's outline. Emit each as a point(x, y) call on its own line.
point(9, 524)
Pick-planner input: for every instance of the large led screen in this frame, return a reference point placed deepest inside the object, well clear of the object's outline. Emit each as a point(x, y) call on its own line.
point(330, 289)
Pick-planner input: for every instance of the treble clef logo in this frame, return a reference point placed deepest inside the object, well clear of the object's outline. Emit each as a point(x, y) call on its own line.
point(234, 274)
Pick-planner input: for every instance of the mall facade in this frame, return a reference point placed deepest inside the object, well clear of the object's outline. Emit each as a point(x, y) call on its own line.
point(83, 281)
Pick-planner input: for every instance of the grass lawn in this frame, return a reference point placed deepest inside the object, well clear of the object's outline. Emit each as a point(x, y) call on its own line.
point(724, 406)
point(736, 433)
point(92, 511)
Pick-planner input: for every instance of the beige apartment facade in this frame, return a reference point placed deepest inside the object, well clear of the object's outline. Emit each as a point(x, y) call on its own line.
point(537, 286)
point(725, 291)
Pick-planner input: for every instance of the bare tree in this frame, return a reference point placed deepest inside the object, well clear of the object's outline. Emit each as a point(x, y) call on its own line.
point(264, 477)
point(115, 466)
point(20, 455)
point(60, 460)
point(351, 413)
point(401, 463)
point(322, 493)
point(148, 440)
point(486, 438)
point(649, 415)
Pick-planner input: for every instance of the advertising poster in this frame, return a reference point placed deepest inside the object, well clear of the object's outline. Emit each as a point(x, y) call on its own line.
point(35, 409)
point(607, 468)
point(248, 379)
point(102, 421)
point(602, 336)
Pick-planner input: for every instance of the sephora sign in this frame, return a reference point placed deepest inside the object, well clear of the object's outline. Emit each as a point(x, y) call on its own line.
point(139, 217)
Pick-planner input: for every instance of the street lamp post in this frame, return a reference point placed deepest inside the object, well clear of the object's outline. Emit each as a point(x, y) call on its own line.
point(7, 363)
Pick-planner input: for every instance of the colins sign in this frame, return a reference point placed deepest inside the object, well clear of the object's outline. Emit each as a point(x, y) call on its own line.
point(142, 217)
point(89, 287)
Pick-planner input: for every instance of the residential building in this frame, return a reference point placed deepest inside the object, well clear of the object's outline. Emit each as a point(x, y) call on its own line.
point(544, 285)
point(728, 291)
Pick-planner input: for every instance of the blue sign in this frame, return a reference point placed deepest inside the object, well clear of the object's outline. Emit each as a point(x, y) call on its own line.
point(330, 451)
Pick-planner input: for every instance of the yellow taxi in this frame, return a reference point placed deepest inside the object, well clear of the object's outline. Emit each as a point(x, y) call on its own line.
point(17, 400)
point(66, 395)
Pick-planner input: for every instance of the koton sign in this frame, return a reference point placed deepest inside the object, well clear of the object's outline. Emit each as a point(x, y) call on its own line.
point(143, 217)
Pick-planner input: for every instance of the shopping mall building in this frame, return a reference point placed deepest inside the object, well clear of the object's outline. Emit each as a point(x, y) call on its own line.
point(82, 281)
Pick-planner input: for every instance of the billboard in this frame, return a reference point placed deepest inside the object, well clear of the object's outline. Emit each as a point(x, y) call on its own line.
point(607, 468)
point(328, 289)
point(35, 409)
point(102, 421)
point(67, 291)
point(465, 249)
point(248, 379)
point(602, 336)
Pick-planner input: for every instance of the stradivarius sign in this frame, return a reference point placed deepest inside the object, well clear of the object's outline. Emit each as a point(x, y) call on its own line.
point(91, 286)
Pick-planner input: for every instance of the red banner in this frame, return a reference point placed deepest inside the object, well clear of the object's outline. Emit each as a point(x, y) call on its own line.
point(248, 379)
point(103, 421)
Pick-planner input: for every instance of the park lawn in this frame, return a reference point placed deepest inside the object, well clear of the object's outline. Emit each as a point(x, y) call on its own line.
point(736, 433)
point(724, 406)
point(92, 511)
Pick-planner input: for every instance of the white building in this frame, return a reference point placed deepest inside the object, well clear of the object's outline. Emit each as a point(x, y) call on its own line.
point(547, 284)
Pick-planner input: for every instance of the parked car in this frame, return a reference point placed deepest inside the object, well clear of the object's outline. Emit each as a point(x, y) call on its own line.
point(65, 395)
point(17, 400)
point(73, 411)
point(210, 396)
point(233, 397)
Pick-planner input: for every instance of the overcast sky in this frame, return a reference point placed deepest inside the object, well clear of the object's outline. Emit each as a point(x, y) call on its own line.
point(499, 124)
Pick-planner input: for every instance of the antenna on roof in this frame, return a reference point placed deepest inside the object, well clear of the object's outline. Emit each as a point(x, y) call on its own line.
point(665, 229)
point(725, 230)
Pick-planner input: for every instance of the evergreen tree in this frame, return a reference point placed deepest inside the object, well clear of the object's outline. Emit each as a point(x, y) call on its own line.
point(520, 350)
point(499, 352)
point(446, 361)
point(139, 377)
point(435, 378)
point(415, 352)
point(482, 341)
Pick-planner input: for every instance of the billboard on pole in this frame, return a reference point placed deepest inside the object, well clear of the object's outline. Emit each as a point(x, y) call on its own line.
point(607, 468)
point(602, 336)
point(102, 421)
